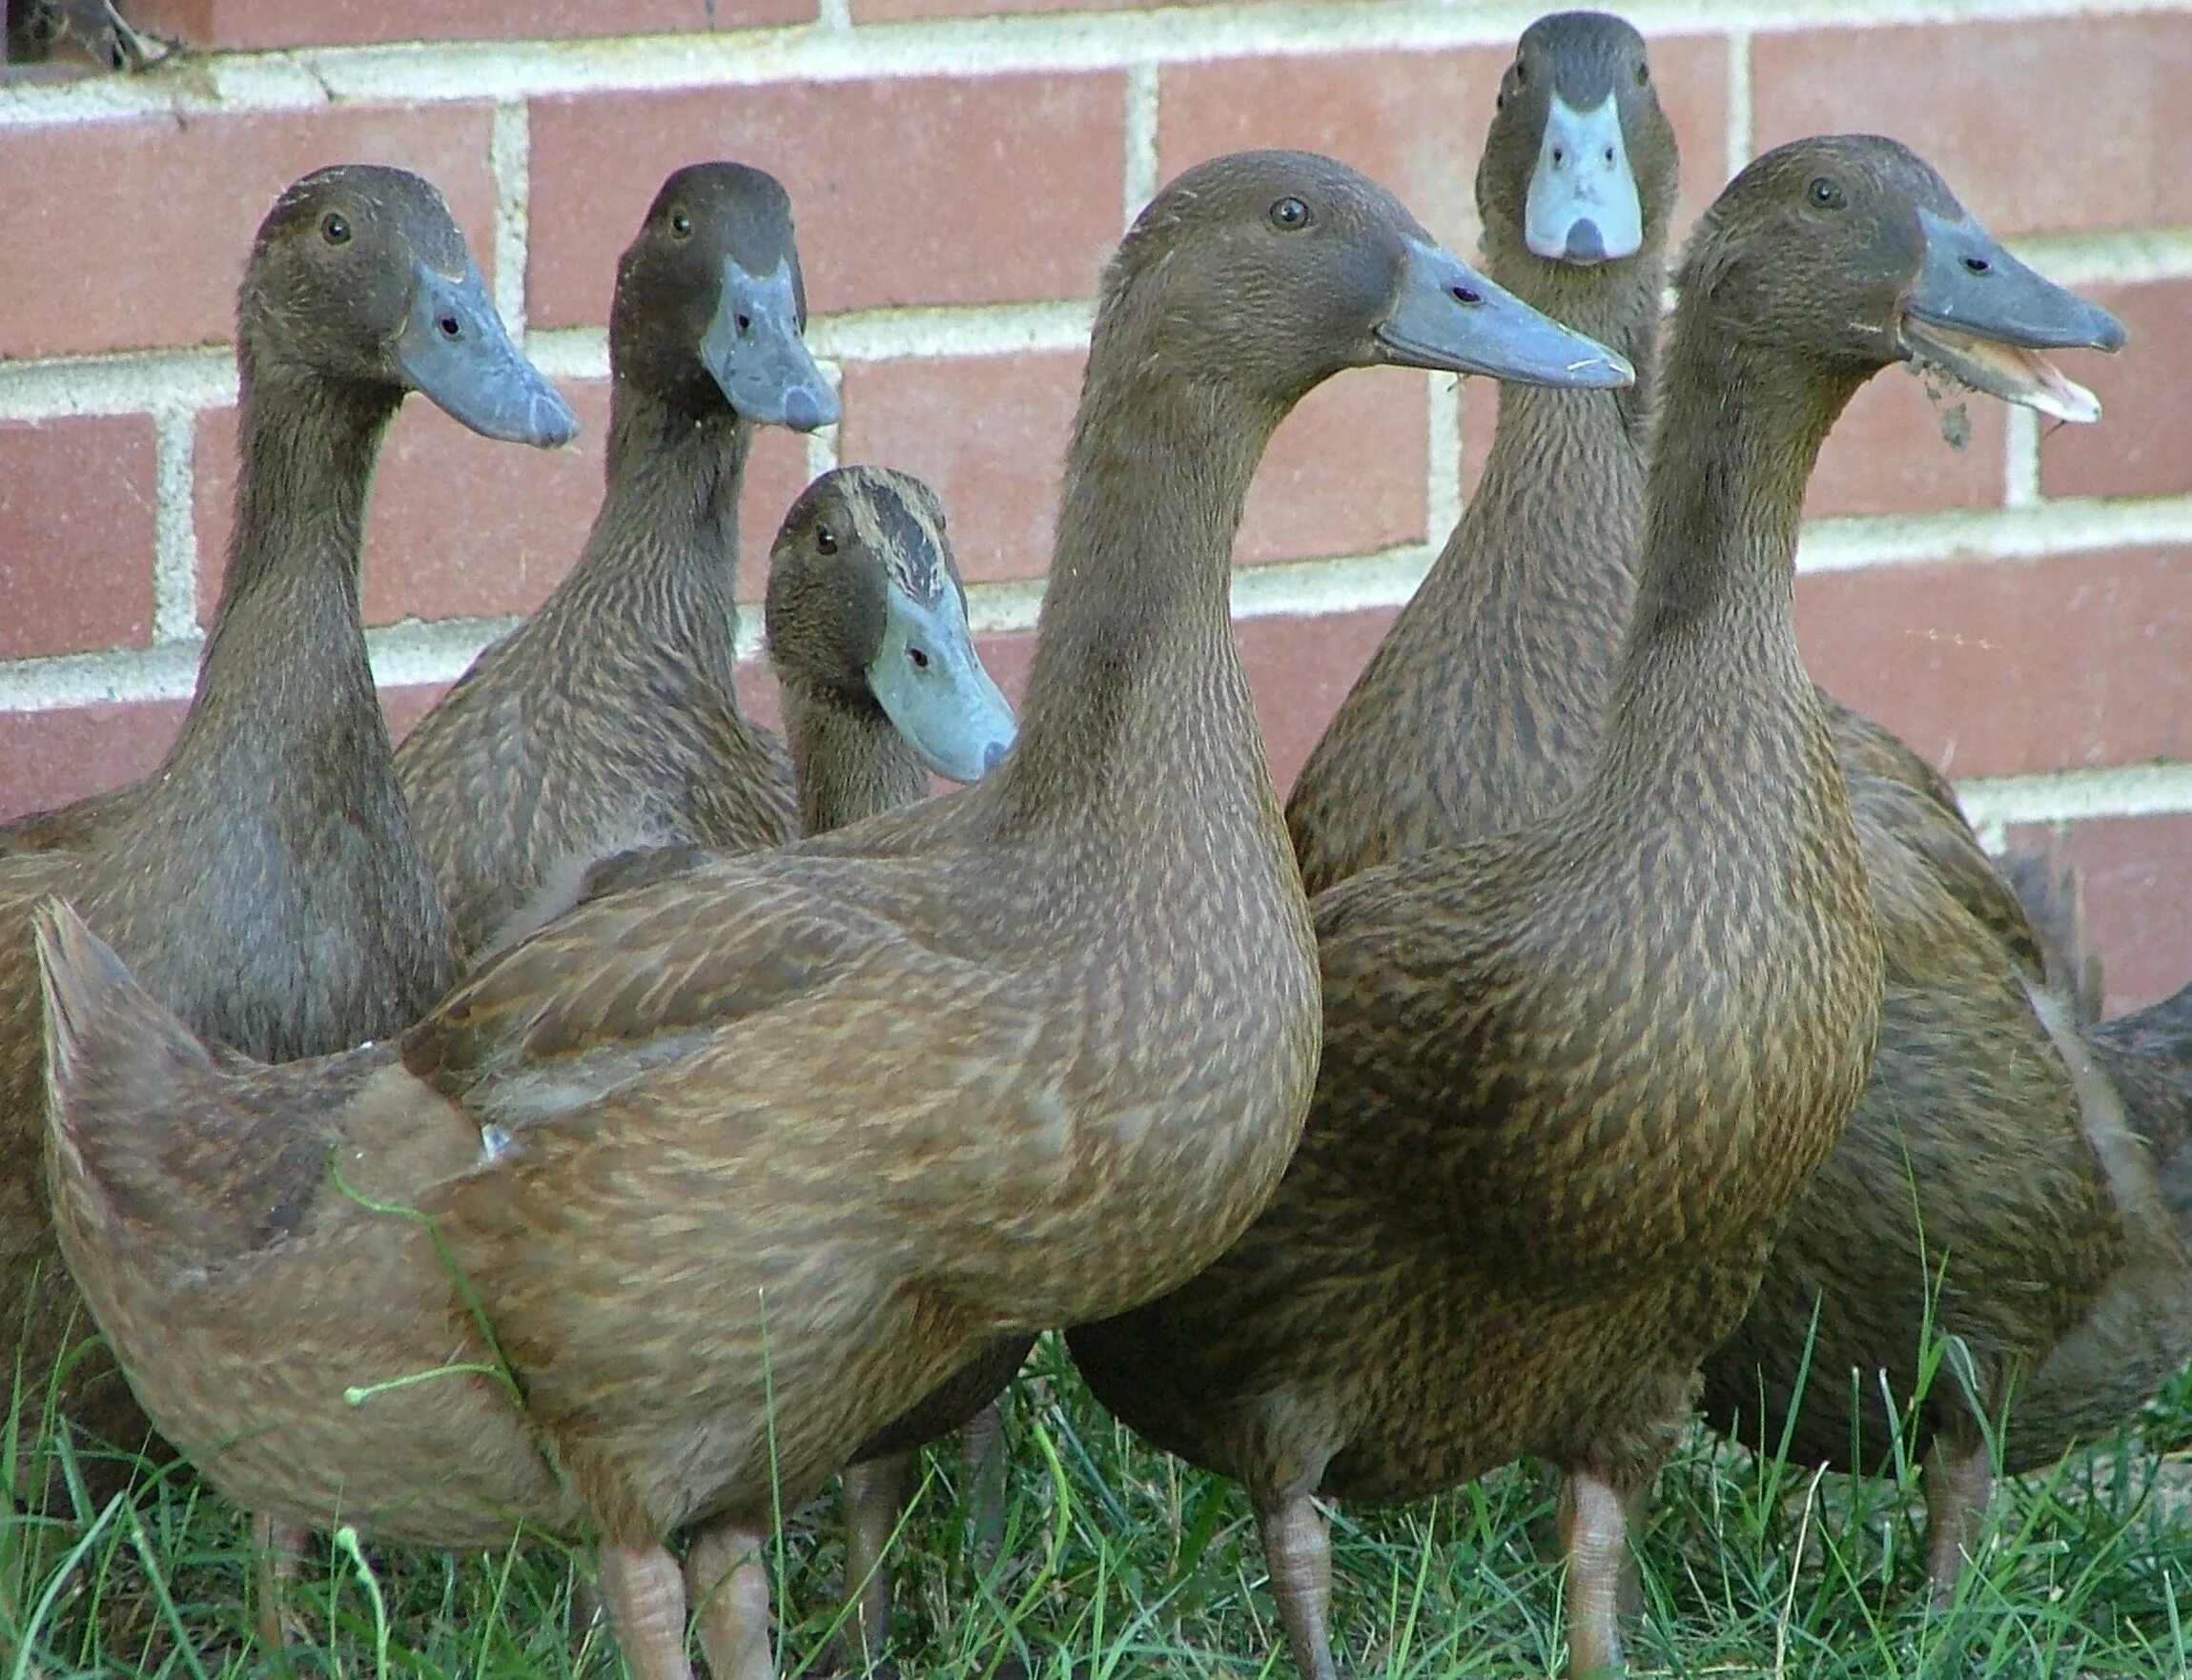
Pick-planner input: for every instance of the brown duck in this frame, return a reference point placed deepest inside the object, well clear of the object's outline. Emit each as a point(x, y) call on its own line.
point(608, 720)
point(1622, 1038)
point(1482, 708)
point(263, 880)
point(1059, 1029)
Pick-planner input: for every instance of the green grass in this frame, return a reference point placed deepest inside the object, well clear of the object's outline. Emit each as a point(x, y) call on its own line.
point(1121, 1562)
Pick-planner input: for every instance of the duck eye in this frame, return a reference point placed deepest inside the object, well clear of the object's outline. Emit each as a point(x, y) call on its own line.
point(681, 224)
point(1522, 73)
point(1826, 191)
point(824, 539)
point(1642, 74)
point(1290, 215)
point(335, 229)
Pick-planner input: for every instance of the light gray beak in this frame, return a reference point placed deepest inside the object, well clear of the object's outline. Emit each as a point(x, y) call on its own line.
point(932, 686)
point(1582, 205)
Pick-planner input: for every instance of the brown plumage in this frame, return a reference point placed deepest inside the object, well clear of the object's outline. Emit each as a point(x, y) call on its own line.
point(1059, 1029)
point(263, 881)
point(608, 720)
point(1576, 1076)
point(1482, 707)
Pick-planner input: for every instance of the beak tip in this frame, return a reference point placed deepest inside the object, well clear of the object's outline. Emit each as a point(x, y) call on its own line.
point(809, 410)
point(993, 754)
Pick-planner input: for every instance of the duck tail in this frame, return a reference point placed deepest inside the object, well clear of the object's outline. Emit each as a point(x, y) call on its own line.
point(2147, 1055)
point(2053, 893)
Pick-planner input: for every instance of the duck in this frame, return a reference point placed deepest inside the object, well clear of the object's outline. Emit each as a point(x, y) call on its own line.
point(865, 601)
point(1482, 705)
point(264, 880)
point(608, 721)
point(1059, 1029)
point(1621, 1039)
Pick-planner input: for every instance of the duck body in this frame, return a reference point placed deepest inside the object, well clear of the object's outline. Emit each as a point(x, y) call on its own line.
point(609, 720)
point(199, 870)
point(1014, 1016)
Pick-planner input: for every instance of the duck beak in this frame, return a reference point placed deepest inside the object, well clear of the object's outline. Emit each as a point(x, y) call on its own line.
point(454, 352)
point(754, 352)
point(1982, 317)
point(1448, 316)
point(1582, 206)
point(932, 686)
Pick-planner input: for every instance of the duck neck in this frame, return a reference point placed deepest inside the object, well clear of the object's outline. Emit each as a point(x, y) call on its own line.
point(847, 761)
point(1546, 549)
point(285, 696)
point(660, 571)
point(1709, 663)
point(1136, 677)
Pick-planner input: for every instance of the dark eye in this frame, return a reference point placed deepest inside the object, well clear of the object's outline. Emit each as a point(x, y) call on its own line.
point(1826, 191)
point(335, 229)
point(681, 224)
point(1643, 73)
point(1290, 215)
point(824, 539)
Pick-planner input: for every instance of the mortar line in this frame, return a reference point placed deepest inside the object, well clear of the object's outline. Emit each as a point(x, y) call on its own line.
point(501, 71)
point(2077, 795)
point(1741, 132)
point(2020, 459)
point(1443, 502)
point(175, 529)
point(1141, 138)
point(510, 156)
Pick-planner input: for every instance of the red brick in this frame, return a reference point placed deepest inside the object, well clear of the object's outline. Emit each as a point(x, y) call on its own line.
point(2142, 446)
point(1414, 120)
point(988, 432)
point(47, 758)
point(2138, 915)
point(1300, 669)
point(908, 191)
point(258, 24)
point(133, 234)
point(1964, 95)
point(1887, 453)
point(1346, 474)
point(463, 527)
point(76, 516)
point(1995, 667)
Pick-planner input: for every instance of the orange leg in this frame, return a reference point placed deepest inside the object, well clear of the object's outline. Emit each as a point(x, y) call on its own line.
point(1594, 1535)
point(646, 1597)
point(726, 1578)
point(1298, 1551)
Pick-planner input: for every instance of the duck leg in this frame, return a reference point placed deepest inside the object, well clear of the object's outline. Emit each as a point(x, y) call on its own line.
point(982, 1450)
point(727, 1580)
point(646, 1597)
point(876, 1495)
point(1298, 1551)
point(278, 1549)
point(1959, 1482)
point(1594, 1536)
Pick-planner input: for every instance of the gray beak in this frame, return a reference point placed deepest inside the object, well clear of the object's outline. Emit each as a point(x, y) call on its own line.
point(454, 351)
point(754, 351)
point(1984, 316)
point(1448, 316)
point(931, 685)
point(1582, 205)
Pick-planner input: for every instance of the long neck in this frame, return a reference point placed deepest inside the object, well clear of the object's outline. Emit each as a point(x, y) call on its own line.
point(849, 763)
point(660, 570)
point(285, 690)
point(1709, 665)
point(1136, 678)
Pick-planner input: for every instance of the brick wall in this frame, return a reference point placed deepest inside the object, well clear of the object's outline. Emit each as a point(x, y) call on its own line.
point(2021, 609)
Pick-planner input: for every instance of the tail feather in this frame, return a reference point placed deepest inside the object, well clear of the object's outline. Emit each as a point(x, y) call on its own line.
point(2148, 1056)
point(202, 1152)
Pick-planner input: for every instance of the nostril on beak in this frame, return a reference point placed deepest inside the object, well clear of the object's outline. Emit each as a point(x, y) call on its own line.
point(991, 756)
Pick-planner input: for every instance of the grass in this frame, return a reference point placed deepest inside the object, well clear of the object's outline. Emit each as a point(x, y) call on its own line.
point(1121, 1562)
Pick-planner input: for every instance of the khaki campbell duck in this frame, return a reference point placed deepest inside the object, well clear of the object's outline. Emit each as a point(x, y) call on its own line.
point(1576, 1076)
point(747, 1162)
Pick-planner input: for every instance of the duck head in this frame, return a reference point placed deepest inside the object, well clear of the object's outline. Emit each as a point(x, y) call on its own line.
point(359, 272)
point(1851, 250)
point(865, 605)
point(711, 307)
point(1581, 162)
point(1286, 267)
